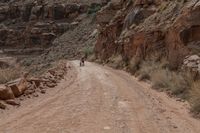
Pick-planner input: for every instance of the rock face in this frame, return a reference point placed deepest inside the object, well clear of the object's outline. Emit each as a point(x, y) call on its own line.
point(145, 28)
point(36, 23)
point(34, 10)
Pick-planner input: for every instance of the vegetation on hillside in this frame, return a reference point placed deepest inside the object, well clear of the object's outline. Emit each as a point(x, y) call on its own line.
point(176, 83)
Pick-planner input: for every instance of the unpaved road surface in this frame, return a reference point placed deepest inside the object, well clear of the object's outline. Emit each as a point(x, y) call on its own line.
point(97, 99)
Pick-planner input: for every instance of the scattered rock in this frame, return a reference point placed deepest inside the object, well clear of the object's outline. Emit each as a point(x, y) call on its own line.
point(29, 91)
point(13, 102)
point(2, 106)
point(6, 93)
point(107, 128)
point(193, 58)
point(43, 91)
point(35, 95)
point(21, 98)
point(50, 84)
point(162, 110)
point(174, 126)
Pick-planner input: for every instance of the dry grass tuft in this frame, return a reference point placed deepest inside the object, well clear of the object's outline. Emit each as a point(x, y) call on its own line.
point(88, 50)
point(9, 74)
point(160, 79)
point(116, 61)
point(181, 84)
point(134, 65)
point(195, 97)
point(147, 68)
point(177, 83)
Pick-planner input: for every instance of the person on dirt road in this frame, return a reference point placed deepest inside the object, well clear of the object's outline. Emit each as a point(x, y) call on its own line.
point(82, 61)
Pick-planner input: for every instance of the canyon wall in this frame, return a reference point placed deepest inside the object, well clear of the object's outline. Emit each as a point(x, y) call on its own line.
point(36, 23)
point(143, 29)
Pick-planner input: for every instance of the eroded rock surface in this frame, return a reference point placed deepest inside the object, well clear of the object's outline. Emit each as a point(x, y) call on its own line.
point(142, 28)
point(36, 23)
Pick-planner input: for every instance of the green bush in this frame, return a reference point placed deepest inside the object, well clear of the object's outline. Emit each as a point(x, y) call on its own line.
point(94, 8)
point(88, 50)
point(134, 65)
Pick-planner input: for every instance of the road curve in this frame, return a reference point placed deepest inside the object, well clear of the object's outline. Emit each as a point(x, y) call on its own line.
point(98, 99)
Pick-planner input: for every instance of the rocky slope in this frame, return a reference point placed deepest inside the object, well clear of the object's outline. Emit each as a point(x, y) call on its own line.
point(36, 23)
point(141, 29)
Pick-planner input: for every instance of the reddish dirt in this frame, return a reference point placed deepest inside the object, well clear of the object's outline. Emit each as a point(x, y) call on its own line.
point(97, 99)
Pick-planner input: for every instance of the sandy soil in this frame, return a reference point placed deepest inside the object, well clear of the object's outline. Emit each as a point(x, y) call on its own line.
point(97, 99)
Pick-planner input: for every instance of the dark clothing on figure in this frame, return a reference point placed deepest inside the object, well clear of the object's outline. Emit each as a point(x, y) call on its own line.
point(82, 61)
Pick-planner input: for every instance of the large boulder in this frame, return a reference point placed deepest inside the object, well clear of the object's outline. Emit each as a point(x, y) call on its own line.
point(18, 86)
point(192, 62)
point(6, 93)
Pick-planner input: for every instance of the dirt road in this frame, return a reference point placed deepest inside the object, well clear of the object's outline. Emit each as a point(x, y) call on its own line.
point(98, 99)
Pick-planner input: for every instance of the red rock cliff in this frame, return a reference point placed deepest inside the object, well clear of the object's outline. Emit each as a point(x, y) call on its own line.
point(142, 28)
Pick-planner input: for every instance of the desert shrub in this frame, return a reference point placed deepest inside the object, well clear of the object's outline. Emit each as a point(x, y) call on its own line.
point(9, 74)
point(180, 84)
point(88, 50)
point(3, 65)
point(195, 97)
point(146, 69)
point(94, 8)
point(116, 61)
point(175, 82)
point(144, 76)
point(27, 62)
point(134, 65)
point(160, 79)
point(163, 6)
